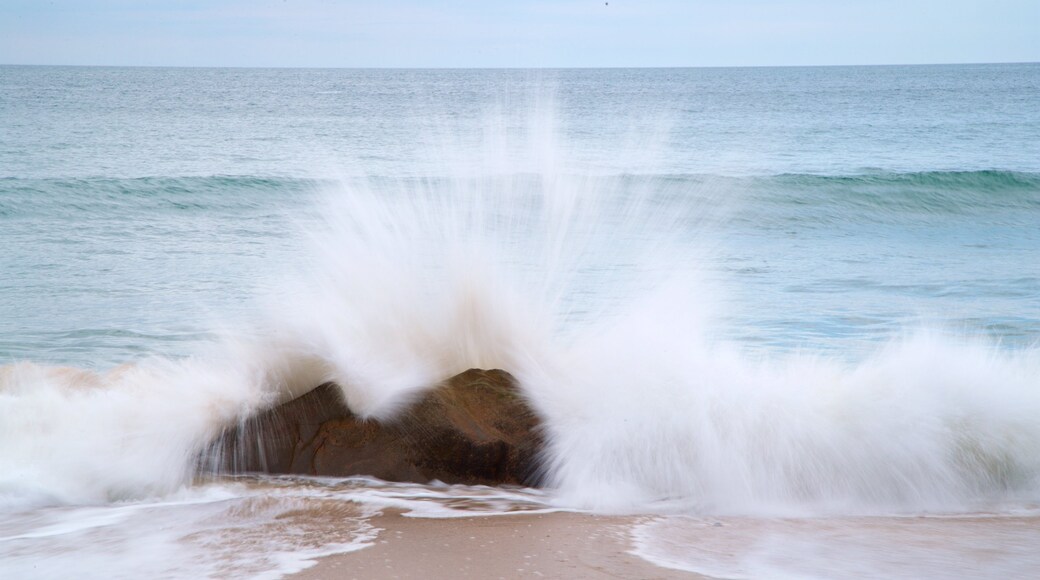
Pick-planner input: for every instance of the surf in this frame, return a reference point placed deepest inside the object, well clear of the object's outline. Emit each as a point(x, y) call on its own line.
point(599, 294)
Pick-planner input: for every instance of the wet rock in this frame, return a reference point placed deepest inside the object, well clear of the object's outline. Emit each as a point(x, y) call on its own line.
point(474, 428)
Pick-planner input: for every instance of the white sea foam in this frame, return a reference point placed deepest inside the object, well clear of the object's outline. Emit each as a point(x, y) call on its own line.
point(686, 425)
point(967, 546)
point(210, 531)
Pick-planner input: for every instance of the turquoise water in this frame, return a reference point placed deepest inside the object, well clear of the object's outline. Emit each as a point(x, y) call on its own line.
point(140, 207)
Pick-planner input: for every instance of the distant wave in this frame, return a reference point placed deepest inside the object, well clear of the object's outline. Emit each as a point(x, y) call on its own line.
point(27, 196)
point(923, 191)
point(785, 198)
point(984, 179)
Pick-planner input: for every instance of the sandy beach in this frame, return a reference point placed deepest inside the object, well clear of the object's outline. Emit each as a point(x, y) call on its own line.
point(555, 545)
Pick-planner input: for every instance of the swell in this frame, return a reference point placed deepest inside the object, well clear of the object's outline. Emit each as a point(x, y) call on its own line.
point(21, 197)
point(980, 181)
point(926, 191)
point(869, 197)
point(929, 191)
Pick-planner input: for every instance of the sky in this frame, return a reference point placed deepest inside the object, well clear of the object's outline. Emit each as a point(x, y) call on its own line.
point(513, 33)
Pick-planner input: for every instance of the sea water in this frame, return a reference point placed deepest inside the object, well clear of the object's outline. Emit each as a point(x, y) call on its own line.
point(794, 300)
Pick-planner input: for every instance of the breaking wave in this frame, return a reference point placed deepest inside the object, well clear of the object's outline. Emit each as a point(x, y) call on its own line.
point(593, 292)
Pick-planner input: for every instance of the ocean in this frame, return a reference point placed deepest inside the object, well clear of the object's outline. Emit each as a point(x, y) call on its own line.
point(802, 302)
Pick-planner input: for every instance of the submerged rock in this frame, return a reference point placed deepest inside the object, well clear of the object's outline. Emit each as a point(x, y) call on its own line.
point(474, 428)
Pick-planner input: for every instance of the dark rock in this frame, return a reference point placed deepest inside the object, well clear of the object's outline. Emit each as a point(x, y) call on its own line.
point(474, 428)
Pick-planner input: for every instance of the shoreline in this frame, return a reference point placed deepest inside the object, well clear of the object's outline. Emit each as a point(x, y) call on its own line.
point(552, 545)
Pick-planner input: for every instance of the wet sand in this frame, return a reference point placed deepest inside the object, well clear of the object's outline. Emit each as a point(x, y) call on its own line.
point(555, 545)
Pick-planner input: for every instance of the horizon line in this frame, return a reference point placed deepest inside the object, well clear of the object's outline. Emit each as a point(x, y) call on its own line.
point(662, 67)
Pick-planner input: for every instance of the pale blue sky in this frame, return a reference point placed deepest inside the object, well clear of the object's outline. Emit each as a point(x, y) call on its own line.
point(506, 33)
